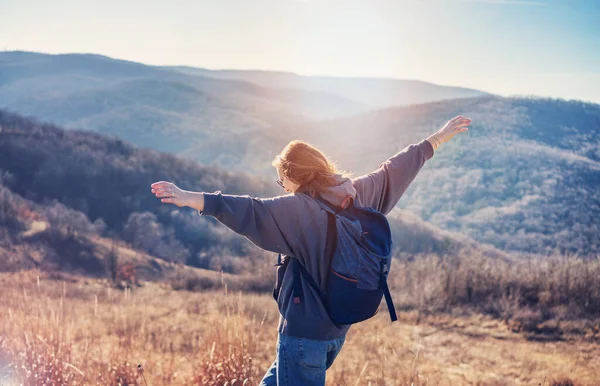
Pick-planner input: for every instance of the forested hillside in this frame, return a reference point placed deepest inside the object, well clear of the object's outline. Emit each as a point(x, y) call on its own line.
point(525, 177)
point(89, 184)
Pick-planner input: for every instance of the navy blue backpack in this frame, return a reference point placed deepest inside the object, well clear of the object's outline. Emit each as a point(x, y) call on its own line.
point(358, 249)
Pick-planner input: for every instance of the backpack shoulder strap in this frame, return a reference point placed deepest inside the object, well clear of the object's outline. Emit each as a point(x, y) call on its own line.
point(282, 266)
point(386, 291)
point(300, 270)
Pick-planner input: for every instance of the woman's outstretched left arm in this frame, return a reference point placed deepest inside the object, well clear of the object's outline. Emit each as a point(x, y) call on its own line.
point(274, 224)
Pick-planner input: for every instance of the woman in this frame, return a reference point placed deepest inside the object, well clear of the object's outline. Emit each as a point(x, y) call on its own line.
point(295, 225)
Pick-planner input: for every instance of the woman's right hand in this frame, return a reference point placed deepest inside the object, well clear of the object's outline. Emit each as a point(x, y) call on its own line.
point(454, 126)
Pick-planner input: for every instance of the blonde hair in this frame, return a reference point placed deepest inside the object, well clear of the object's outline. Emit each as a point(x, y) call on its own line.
point(307, 166)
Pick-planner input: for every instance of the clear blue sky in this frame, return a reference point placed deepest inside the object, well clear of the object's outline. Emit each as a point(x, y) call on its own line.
point(508, 47)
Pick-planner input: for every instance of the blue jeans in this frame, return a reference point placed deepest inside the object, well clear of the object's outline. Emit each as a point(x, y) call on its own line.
point(301, 361)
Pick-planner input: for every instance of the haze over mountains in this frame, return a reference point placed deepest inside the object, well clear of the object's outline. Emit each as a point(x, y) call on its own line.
point(525, 177)
point(370, 92)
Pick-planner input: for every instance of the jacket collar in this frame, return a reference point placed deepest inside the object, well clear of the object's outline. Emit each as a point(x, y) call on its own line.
point(340, 193)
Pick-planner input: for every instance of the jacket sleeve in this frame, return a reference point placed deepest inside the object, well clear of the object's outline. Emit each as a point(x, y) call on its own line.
point(382, 189)
point(274, 224)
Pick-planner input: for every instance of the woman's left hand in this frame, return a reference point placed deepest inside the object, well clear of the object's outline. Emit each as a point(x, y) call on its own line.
point(168, 192)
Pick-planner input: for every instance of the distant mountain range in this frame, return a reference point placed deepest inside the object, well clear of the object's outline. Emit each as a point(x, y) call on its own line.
point(526, 177)
point(193, 113)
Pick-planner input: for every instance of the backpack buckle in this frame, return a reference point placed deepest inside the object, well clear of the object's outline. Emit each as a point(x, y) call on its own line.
point(279, 262)
point(384, 270)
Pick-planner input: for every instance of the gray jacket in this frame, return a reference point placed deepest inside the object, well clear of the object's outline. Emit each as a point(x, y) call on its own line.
point(295, 225)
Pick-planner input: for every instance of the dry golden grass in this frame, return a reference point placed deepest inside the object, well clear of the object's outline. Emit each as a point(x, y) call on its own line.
point(84, 332)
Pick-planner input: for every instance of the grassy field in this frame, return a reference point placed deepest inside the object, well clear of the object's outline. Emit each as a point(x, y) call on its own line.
point(83, 331)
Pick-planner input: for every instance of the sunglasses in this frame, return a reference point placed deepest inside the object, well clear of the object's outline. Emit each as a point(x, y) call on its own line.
point(280, 182)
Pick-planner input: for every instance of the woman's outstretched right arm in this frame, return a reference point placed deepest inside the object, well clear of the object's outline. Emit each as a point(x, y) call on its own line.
point(383, 188)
